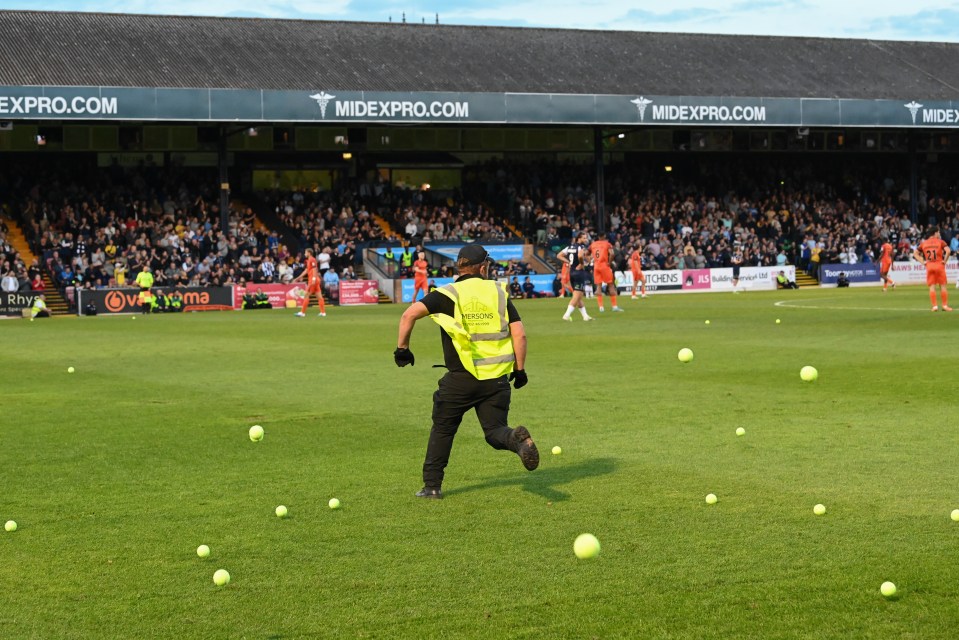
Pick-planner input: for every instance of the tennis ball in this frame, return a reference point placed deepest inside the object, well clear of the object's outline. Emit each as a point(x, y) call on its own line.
point(955, 515)
point(685, 355)
point(281, 511)
point(586, 546)
point(778, 320)
point(334, 503)
point(819, 509)
point(256, 433)
point(711, 498)
point(70, 369)
point(888, 589)
point(740, 431)
point(221, 577)
point(707, 322)
point(558, 450)
point(11, 525)
point(203, 551)
point(808, 374)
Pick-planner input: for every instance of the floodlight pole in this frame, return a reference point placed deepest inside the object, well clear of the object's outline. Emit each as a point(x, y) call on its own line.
point(600, 181)
point(224, 182)
point(913, 180)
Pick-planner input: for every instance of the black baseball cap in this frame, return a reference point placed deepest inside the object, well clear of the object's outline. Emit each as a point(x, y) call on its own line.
point(471, 254)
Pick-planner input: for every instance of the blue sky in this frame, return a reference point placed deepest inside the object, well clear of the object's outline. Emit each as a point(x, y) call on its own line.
point(872, 19)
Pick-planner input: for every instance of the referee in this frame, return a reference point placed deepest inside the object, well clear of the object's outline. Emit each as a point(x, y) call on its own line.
point(484, 347)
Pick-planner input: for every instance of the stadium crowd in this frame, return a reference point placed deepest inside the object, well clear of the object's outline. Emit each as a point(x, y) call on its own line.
point(771, 214)
point(98, 227)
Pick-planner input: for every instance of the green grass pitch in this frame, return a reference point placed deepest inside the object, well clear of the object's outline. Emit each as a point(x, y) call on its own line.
point(117, 472)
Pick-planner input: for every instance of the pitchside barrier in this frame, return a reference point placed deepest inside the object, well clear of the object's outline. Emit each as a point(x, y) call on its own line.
point(705, 280)
point(867, 274)
point(13, 304)
point(289, 296)
point(356, 292)
point(112, 301)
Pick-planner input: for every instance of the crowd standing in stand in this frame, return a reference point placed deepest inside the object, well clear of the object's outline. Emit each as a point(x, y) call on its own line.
point(99, 228)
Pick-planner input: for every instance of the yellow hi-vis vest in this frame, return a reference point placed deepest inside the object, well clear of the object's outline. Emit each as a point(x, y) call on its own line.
point(479, 327)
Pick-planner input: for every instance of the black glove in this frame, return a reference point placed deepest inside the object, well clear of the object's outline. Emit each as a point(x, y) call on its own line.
point(403, 357)
point(518, 378)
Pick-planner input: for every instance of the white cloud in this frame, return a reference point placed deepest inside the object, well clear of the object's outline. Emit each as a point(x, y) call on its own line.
point(828, 18)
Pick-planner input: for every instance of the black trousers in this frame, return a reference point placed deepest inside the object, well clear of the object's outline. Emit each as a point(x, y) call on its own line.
point(459, 392)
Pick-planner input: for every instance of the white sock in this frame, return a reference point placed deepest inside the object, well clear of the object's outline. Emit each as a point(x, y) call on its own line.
point(569, 311)
point(582, 310)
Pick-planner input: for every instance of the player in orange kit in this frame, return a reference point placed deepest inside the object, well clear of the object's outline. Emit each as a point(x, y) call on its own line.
point(933, 253)
point(420, 275)
point(313, 285)
point(636, 266)
point(564, 281)
point(885, 264)
point(602, 253)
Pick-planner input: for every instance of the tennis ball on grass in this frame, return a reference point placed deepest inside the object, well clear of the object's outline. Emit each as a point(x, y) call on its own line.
point(203, 551)
point(256, 433)
point(740, 431)
point(70, 369)
point(334, 503)
point(586, 546)
point(954, 515)
point(11, 525)
point(808, 374)
point(819, 509)
point(887, 589)
point(557, 450)
point(281, 511)
point(711, 498)
point(685, 355)
point(221, 577)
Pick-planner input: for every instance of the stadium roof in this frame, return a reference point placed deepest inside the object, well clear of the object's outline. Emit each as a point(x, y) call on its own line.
point(90, 49)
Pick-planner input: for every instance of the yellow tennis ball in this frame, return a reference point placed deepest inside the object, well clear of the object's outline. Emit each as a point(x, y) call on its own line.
point(70, 369)
point(740, 431)
point(221, 577)
point(887, 589)
point(557, 450)
point(685, 355)
point(256, 433)
point(334, 503)
point(10, 525)
point(808, 374)
point(711, 498)
point(281, 511)
point(819, 509)
point(954, 515)
point(203, 551)
point(586, 546)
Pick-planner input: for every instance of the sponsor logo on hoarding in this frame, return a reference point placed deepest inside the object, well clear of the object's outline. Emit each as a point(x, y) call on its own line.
point(391, 108)
point(699, 113)
point(57, 105)
point(914, 108)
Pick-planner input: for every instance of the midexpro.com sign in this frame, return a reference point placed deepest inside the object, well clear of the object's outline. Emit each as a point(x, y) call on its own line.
point(418, 109)
point(57, 105)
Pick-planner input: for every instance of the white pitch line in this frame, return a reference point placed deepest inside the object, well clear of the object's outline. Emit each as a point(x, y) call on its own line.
point(793, 304)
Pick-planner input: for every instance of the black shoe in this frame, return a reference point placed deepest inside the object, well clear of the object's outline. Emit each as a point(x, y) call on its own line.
point(431, 493)
point(525, 448)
